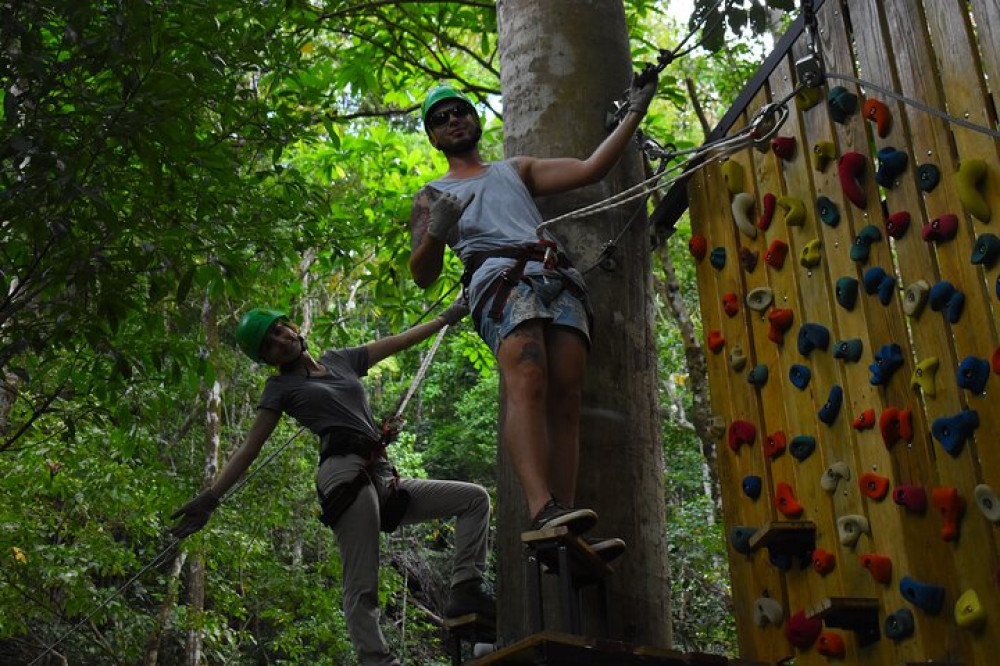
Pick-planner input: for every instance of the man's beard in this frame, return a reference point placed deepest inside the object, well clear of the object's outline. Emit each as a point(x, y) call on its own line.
point(463, 145)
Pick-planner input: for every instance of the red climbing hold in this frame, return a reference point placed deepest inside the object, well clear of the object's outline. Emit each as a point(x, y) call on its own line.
point(851, 170)
point(780, 321)
point(741, 433)
point(801, 631)
point(952, 508)
point(698, 246)
point(874, 486)
point(897, 224)
point(730, 304)
point(831, 644)
point(785, 502)
point(896, 424)
point(865, 420)
point(784, 147)
point(774, 445)
point(878, 113)
point(776, 253)
point(823, 561)
point(770, 203)
point(715, 340)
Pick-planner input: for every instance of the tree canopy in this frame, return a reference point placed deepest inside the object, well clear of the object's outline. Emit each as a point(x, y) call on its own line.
point(161, 163)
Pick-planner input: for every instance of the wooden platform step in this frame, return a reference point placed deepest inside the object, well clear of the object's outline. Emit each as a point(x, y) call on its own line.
point(584, 564)
point(554, 648)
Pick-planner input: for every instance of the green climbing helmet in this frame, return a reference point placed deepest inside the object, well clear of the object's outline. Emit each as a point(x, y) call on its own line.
point(440, 94)
point(254, 327)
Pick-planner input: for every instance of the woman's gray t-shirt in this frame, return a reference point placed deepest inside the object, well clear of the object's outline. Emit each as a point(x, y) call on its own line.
point(335, 400)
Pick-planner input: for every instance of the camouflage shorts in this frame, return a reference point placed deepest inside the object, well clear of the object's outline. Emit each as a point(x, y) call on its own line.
point(535, 298)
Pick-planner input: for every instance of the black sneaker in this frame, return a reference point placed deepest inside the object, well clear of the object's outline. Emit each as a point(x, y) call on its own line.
point(554, 514)
point(606, 549)
point(470, 597)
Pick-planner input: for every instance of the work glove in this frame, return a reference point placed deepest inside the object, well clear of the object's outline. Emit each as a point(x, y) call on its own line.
point(639, 96)
point(194, 515)
point(456, 311)
point(445, 213)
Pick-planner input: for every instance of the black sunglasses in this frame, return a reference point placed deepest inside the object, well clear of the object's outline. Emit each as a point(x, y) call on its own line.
point(440, 118)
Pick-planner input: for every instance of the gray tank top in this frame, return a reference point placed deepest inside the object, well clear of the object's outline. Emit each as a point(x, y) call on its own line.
point(501, 214)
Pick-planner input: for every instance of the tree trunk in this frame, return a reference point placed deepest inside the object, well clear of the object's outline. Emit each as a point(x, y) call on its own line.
point(152, 652)
point(213, 435)
point(563, 62)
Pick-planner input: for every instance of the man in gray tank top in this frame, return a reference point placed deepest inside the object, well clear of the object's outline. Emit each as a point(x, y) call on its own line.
point(529, 304)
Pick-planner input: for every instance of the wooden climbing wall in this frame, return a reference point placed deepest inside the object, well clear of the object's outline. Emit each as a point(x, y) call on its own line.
point(895, 496)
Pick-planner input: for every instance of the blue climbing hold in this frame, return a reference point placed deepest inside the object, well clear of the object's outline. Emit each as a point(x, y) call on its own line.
point(899, 625)
point(863, 242)
point(847, 292)
point(831, 408)
point(827, 210)
point(944, 297)
point(876, 280)
point(888, 359)
point(718, 258)
point(986, 251)
point(800, 376)
point(891, 165)
point(952, 431)
point(928, 177)
point(802, 446)
point(740, 536)
point(758, 376)
point(813, 336)
point(752, 486)
point(849, 350)
point(926, 596)
point(973, 373)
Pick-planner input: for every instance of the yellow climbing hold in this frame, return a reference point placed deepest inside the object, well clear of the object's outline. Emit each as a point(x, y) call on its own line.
point(970, 179)
point(795, 211)
point(732, 172)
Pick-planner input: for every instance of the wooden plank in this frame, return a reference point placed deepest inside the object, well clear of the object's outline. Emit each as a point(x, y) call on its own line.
point(560, 649)
point(751, 576)
point(583, 561)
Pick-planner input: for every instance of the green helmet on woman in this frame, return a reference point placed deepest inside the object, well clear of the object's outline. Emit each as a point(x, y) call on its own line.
point(253, 329)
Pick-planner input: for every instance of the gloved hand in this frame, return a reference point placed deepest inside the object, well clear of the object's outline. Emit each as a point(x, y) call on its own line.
point(456, 311)
point(639, 97)
point(445, 213)
point(194, 515)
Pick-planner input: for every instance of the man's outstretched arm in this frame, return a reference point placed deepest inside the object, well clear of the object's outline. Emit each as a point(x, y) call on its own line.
point(555, 175)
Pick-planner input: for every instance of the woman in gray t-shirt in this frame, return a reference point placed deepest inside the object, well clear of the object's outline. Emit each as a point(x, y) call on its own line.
point(357, 486)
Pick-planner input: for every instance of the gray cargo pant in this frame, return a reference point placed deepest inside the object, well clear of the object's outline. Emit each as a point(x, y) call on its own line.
point(357, 533)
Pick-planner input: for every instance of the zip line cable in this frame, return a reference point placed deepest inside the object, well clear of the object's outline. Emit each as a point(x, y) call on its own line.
point(238, 486)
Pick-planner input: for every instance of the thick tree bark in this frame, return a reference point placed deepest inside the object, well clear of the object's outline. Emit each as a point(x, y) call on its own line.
point(152, 652)
point(563, 62)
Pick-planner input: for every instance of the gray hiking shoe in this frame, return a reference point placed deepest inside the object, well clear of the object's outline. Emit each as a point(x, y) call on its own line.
point(554, 514)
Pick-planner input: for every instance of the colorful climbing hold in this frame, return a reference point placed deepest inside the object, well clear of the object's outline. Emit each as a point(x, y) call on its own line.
point(827, 211)
point(924, 376)
point(752, 486)
point(801, 631)
point(807, 98)
point(899, 624)
point(718, 258)
point(848, 350)
point(944, 297)
point(813, 336)
point(716, 341)
point(865, 420)
point(879, 566)
point(926, 596)
point(795, 211)
point(831, 644)
point(970, 179)
point(897, 224)
point(895, 424)
point(741, 433)
point(776, 252)
point(760, 299)
point(748, 259)
point(737, 358)
point(785, 502)
point(833, 475)
point(799, 375)
point(878, 113)
point(732, 174)
point(877, 281)
point(769, 203)
point(831, 408)
point(891, 165)
point(951, 505)
point(941, 229)
point(842, 103)
point(742, 207)
point(969, 611)
point(988, 502)
point(874, 486)
point(928, 177)
point(914, 498)
point(730, 304)
point(780, 320)
point(824, 152)
point(758, 376)
point(802, 446)
point(861, 247)
point(823, 561)
point(847, 292)
point(810, 255)
point(888, 359)
point(973, 373)
point(716, 427)
point(850, 528)
point(952, 431)
point(740, 537)
point(986, 251)
point(774, 444)
point(851, 171)
point(698, 246)
point(915, 297)
point(767, 612)
point(784, 147)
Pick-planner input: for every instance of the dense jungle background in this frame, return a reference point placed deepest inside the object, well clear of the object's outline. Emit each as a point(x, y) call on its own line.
point(164, 166)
